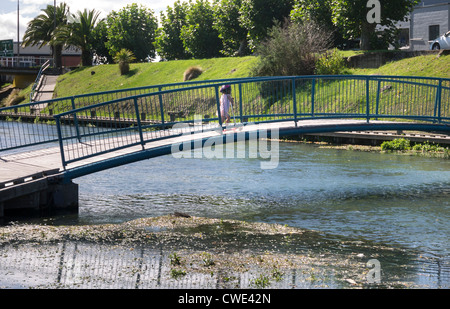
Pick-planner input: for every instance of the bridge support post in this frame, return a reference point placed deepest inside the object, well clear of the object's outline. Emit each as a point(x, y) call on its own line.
point(44, 194)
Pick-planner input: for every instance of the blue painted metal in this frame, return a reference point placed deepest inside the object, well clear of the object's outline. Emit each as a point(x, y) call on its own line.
point(136, 119)
point(44, 67)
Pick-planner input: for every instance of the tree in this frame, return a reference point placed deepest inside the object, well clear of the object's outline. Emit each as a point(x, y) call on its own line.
point(351, 17)
point(230, 29)
point(291, 49)
point(42, 29)
point(319, 11)
point(199, 36)
point(100, 34)
point(79, 32)
point(258, 16)
point(169, 44)
point(123, 58)
point(134, 28)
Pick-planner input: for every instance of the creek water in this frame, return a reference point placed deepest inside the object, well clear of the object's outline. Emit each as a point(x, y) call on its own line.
point(392, 200)
point(396, 199)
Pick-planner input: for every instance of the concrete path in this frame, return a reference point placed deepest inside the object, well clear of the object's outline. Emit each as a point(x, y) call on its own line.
point(45, 91)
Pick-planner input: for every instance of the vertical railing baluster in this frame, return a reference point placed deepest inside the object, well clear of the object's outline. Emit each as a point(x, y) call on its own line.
point(437, 103)
point(240, 103)
point(161, 106)
point(367, 98)
point(138, 119)
point(60, 139)
point(218, 105)
point(75, 120)
point(378, 98)
point(439, 100)
point(313, 90)
point(294, 100)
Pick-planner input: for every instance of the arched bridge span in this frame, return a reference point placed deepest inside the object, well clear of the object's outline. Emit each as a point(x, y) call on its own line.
point(94, 126)
point(85, 134)
point(102, 130)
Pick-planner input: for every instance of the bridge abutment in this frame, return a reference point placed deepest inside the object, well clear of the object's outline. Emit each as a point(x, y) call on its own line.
point(36, 196)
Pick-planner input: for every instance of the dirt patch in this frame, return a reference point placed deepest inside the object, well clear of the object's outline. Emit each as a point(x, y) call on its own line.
point(184, 252)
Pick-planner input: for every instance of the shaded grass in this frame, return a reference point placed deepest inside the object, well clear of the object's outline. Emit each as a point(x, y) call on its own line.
point(429, 65)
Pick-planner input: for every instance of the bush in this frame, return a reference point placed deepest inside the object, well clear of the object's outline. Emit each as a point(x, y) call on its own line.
point(192, 73)
point(123, 58)
point(331, 63)
point(14, 98)
point(291, 49)
point(396, 144)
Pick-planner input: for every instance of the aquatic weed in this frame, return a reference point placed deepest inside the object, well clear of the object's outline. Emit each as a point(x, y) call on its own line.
point(175, 259)
point(262, 281)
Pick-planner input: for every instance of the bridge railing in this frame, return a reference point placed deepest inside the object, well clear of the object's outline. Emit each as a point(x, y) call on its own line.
point(150, 111)
point(24, 61)
point(139, 119)
point(38, 80)
point(26, 125)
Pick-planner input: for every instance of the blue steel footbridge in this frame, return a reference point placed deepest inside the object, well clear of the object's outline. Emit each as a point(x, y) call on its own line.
point(61, 139)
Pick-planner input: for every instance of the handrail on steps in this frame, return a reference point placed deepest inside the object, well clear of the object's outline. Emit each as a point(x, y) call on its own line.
point(38, 80)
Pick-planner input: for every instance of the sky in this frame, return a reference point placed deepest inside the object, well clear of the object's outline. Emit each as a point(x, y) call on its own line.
point(29, 9)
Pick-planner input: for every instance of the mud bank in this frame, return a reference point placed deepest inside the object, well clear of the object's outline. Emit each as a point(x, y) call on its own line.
point(177, 251)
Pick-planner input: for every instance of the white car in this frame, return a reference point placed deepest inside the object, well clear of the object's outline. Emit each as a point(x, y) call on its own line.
point(442, 42)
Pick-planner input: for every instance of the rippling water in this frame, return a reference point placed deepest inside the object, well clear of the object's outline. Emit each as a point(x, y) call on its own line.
point(392, 200)
point(388, 198)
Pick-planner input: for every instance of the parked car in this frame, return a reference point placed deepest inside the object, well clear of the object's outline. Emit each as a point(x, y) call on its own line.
point(442, 42)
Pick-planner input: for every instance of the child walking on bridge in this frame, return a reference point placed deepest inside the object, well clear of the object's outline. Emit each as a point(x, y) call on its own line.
point(226, 101)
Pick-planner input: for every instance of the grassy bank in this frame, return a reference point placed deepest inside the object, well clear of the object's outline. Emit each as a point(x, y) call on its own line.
point(429, 65)
point(107, 77)
point(402, 146)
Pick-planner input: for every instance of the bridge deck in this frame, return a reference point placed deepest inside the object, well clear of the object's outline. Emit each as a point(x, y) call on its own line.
point(21, 167)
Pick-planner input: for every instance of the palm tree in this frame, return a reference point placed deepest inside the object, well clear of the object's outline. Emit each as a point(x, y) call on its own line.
point(41, 30)
point(79, 32)
point(123, 58)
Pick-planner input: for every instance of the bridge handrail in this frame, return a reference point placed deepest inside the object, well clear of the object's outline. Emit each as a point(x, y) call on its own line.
point(259, 99)
point(218, 83)
point(44, 67)
point(377, 77)
point(27, 112)
point(275, 89)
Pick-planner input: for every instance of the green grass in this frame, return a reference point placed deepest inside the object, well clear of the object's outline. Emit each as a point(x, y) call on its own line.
point(107, 77)
point(429, 65)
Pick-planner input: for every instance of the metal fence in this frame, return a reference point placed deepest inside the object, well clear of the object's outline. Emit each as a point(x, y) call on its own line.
point(126, 118)
point(33, 124)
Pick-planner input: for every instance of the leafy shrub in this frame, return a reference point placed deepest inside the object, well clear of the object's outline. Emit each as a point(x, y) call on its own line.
point(396, 144)
point(291, 49)
point(123, 58)
point(427, 147)
point(331, 63)
point(192, 73)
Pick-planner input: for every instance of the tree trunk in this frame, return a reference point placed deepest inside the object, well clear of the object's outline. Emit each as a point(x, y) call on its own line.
point(243, 47)
point(366, 32)
point(86, 58)
point(57, 56)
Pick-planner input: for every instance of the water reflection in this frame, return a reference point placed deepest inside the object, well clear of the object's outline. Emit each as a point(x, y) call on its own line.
point(395, 201)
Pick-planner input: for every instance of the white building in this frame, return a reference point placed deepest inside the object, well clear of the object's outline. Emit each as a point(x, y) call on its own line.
point(429, 20)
